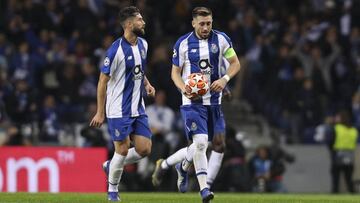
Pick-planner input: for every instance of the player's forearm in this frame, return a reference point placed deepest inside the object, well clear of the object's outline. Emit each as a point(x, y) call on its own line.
point(177, 79)
point(146, 81)
point(234, 68)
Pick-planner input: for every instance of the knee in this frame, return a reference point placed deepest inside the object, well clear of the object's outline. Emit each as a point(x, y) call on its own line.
point(201, 143)
point(219, 145)
point(122, 150)
point(143, 151)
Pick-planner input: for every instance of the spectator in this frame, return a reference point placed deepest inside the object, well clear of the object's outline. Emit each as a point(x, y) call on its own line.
point(342, 146)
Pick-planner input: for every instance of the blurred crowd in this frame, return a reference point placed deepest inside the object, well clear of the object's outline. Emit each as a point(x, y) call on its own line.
point(300, 64)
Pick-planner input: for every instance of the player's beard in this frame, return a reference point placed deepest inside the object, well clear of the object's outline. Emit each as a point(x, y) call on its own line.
point(139, 32)
point(203, 36)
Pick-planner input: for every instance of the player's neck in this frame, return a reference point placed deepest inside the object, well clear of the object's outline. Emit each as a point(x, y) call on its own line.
point(130, 37)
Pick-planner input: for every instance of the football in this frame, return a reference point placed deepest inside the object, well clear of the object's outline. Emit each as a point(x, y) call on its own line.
point(196, 84)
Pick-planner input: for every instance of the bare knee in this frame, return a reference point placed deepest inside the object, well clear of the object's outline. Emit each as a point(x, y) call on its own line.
point(143, 150)
point(142, 145)
point(218, 144)
point(123, 150)
point(122, 147)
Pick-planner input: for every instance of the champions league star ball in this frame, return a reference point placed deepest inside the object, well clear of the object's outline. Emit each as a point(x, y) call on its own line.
point(196, 84)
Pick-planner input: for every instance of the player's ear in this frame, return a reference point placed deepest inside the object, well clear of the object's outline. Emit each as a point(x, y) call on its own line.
point(193, 23)
point(128, 23)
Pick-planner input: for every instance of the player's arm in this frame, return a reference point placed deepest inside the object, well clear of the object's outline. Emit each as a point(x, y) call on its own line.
point(234, 68)
point(99, 117)
point(178, 81)
point(150, 90)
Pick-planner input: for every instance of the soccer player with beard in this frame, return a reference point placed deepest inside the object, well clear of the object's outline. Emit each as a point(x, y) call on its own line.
point(119, 93)
point(202, 50)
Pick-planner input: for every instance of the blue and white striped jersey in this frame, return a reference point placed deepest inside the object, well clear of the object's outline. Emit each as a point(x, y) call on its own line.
point(195, 55)
point(125, 64)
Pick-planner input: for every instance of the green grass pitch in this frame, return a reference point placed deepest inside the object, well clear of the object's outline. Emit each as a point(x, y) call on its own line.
point(158, 197)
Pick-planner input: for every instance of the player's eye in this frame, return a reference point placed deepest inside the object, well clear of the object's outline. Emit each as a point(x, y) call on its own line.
point(202, 24)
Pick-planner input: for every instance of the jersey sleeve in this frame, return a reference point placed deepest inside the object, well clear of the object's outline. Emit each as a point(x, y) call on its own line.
point(226, 46)
point(110, 55)
point(178, 57)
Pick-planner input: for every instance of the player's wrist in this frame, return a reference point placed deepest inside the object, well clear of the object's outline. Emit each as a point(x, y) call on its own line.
point(226, 77)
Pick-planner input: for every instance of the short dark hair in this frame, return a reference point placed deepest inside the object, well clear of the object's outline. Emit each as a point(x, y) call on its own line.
point(127, 12)
point(201, 11)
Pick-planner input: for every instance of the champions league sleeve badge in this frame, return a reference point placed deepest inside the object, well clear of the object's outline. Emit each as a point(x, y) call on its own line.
point(106, 61)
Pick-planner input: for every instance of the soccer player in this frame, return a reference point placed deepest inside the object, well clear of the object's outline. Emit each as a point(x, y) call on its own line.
point(202, 50)
point(214, 163)
point(121, 84)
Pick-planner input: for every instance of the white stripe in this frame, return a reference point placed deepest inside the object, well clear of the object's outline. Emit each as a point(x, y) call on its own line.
point(220, 66)
point(204, 54)
point(137, 83)
point(116, 84)
point(223, 44)
point(186, 68)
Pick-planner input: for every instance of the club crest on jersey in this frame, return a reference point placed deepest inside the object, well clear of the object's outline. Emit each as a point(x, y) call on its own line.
point(143, 54)
point(214, 48)
point(138, 73)
point(106, 61)
point(117, 133)
point(193, 126)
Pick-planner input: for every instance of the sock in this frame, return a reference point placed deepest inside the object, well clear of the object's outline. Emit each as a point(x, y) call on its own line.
point(132, 156)
point(115, 171)
point(214, 166)
point(186, 163)
point(200, 160)
point(175, 158)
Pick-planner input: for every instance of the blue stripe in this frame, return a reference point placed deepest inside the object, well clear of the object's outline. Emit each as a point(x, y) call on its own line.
point(129, 83)
point(214, 61)
point(176, 54)
point(227, 38)
point(201, 173)
point(194, 58)
point(142, 49)
point(110, 55)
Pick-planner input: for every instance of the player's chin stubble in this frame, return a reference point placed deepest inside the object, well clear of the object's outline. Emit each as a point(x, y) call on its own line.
point(139, 32)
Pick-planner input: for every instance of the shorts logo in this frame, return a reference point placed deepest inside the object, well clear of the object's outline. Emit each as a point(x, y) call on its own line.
point(214, 49)
point(106, 61)
point(174, 53)
point(117, 133)
point(193, 126)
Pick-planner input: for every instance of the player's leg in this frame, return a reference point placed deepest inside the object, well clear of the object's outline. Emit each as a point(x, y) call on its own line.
point(141, 139)
point(163, 164)
point(195, 118)
point(216, 157)
point(217, 127)
point(119, 129)
point(199, 158)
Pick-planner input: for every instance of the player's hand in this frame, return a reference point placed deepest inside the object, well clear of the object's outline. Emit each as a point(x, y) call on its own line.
point(192, 97)
point(97, 120)
point(150, 90)
point(188, 95)
point(227, 96)
point(218, 85)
